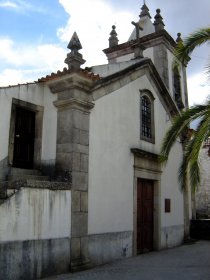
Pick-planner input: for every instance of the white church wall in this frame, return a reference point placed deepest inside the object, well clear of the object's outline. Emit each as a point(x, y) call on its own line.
point(172, 223)
point(29, 93)
point(37, 95)
point(113, 131)
point(49, 128)
point(126, 57)
point(35, 232)
point(33, 214)
point(111, 68)
point(149, 53)
point(115, 126)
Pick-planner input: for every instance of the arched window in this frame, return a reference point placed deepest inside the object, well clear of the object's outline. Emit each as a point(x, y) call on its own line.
point(177, 88)
point(147, 116)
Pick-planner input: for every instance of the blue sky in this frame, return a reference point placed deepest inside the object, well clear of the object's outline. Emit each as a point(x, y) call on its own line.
point(34, 34)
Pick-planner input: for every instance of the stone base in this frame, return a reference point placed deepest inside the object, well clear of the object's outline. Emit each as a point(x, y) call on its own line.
point(79, 265)
point(107, 247)
point(32, 259)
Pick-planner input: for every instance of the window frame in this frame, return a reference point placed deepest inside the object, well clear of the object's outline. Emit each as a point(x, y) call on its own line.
point(146, 93)
point(177, 84)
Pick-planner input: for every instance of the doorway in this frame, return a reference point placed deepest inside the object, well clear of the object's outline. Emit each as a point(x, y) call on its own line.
point(145, 215)
point(24, 136)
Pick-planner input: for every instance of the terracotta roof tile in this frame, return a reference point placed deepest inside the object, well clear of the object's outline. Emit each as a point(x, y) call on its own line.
point(82, 72)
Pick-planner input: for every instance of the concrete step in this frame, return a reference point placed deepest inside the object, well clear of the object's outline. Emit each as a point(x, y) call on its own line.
point(27, 177)
point(17, 181)
point(20, 171)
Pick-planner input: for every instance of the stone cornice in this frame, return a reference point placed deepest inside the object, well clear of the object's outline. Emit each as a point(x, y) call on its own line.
point(144, 154)
point(149, 40)
point(73, 103)
point(71, 81)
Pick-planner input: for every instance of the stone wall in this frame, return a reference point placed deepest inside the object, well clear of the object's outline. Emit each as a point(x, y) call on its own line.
point(203, 192)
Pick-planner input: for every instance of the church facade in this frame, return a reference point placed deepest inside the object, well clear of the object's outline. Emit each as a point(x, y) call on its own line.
point(80, 179)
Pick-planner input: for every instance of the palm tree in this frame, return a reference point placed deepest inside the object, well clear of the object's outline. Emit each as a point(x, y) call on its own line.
point(180, 124)
point(194, 40)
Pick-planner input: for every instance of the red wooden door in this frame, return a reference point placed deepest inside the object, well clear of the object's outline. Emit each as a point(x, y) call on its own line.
point(145, 205)
point(24, 138)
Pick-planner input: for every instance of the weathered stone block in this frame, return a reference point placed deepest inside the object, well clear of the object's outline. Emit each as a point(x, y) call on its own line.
point(75, 248)
point(64, 161)
point(76, 204)
point(75, 161)
point(80, 148)
point(84, 247)
point(84, 137)
point(76, 135)
point(84, 163)
point(79, 224)
point(84, 201)
point(64, 148)
point(80, 120)
point(79, 181)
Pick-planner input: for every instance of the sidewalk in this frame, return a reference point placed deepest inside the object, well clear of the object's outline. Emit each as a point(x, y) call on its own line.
point(187, 262)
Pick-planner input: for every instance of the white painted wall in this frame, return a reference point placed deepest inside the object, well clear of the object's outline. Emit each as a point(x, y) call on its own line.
point(171, 189)
point(114, 130)
point(49, 126)
point(126, 57)
point(111, 68)
point(37, 95)
point(149, 52)
point(33, 214)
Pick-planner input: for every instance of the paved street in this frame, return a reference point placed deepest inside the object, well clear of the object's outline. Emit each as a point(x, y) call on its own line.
point(187, 262)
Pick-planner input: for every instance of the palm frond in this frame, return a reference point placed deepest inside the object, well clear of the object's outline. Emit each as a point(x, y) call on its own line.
point(194, 40)
point(191, 154)
point(179, 125)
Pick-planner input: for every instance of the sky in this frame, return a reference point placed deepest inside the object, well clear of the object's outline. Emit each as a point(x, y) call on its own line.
point(34, 34)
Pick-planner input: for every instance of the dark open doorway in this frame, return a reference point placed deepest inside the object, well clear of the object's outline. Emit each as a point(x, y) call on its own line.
point(24, 138)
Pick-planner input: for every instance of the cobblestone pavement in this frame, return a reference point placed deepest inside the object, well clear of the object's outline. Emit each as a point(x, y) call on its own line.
point(188, 262)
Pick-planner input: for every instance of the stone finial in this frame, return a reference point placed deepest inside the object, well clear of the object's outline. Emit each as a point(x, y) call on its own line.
point(158, 23)
point(74, 59)
point(113, 40)
point(144, 11)
point(179, 39)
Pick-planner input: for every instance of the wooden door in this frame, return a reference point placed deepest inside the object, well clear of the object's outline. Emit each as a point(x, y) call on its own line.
point(145, 205)
point(24, 138)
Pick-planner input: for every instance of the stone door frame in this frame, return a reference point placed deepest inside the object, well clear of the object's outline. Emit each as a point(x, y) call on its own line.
point(146, 166)
point(39, 111)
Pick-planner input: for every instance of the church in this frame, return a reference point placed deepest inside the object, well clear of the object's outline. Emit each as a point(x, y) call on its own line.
point(80, 179)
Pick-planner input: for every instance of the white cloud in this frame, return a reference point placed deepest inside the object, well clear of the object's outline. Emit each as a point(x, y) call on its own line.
point(41, 56)
point(8, 4)
point(40, 59)
point(93, 24)
point(21, 6)
point(198, 89)
point(11, 77)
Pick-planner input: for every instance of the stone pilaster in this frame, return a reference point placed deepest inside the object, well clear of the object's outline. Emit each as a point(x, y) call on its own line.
point(161, 62)
point(72, 155)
